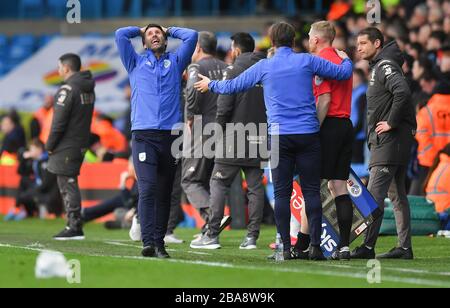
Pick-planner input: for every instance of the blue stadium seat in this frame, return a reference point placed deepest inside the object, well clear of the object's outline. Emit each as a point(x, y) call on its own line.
point(114, 8)
point(91, 9)
point(31, 8)
point(135, 9)
point(57, 9)
point(3, 41)
point(202, 7)
point(25, 40)
point(10, 9)
point(241, 7)
point(154, 8)
point(45, 39)
point(17, 53)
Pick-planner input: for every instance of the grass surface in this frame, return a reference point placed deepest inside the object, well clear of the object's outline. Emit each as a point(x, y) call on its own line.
point(109, 259)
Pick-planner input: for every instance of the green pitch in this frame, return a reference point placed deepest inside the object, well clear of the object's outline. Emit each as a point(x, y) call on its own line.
point(109, 259)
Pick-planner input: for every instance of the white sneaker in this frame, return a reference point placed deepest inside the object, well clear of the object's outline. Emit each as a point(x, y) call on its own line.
point(172, 239)
point(135, 231)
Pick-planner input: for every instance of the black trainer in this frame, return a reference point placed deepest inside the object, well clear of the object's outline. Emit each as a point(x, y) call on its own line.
point(399, 254)
point(289, 254)
point(363, 253)
point(148, 252)
point(316, 254)
point(69, 234)
point(341, 255)
point(300, 254)
point(161, 253)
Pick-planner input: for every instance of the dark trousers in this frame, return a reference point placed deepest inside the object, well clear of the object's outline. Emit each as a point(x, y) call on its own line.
point(196, 175)
point(389, 181)
point(176, 212)
point(302, 153)
point(102, 209)
point(70, 193)
point(417, 184)
point(221, 181)
point(155, 169)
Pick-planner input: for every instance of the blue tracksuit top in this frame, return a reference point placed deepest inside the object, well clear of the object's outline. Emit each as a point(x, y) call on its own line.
point(155, 84)
point(287, 79)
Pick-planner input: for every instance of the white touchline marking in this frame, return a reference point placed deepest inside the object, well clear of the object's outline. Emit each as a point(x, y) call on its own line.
point(414, 281)
point(169, 250)
point(394, 269)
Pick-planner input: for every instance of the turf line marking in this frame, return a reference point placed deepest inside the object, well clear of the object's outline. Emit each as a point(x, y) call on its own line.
point(140, 247)
point(413, 281)
point(394, 269)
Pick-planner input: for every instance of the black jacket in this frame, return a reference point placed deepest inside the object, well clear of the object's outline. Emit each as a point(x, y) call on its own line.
point(204, 104)
point(389, 99)
point(71, 126)
point(243, 108)
point(14, 141)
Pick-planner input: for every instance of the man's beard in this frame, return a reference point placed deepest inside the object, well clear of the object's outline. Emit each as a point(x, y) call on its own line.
point(159, 50)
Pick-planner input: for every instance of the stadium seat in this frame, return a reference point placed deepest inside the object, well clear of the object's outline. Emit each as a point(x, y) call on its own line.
point(114, 8)
point(3, 41)
point(27, 41)
point(56, 8)
point(135, 9)
point(157, 7)
point(205, 7)
point(10, 9)
point(92, 9)
point(18, 53)
point(45, 39)
point(239, 7)
point(31, 8)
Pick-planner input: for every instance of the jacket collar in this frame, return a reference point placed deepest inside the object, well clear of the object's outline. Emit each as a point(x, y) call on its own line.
point(284, 51)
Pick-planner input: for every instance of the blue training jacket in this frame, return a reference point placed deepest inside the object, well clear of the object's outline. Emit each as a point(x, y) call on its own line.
point(287, 79)
point(155, 84)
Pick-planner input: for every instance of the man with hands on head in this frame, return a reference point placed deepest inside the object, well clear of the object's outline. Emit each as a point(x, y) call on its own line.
point(155, 78)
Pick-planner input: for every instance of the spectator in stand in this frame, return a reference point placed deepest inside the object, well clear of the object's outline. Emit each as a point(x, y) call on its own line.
point(110, 137)
point(433, 131)
point(14, 138)
point(42, 120)
point(437, 186)
point(38, 191)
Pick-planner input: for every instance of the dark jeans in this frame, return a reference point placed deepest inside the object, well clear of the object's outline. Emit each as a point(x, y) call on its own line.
point(302, 153)
point(70, 193)
point(155, 169)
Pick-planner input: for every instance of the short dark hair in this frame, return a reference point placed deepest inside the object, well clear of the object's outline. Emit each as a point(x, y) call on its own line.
point(374, 34)
point(208, 42)
point(72, 60)
point(429, 75)
point(153, 26)
point(282, 34)
point(439, 35)
point(244, 41)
